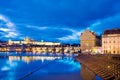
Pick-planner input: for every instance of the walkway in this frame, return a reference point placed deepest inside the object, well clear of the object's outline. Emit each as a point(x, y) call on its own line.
point(106, 66)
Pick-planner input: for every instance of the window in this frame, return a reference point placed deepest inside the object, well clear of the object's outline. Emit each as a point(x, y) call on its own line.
point(106, 51)
point(117, 52)
point(113, 41)
point(110, 52)
point(110, 41)
point(104, 41)
point(113, 51)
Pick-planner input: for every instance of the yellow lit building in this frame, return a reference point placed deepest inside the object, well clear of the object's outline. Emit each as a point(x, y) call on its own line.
point(111, 41)
point(96, 50)
point(89, 40)
point(31, 41)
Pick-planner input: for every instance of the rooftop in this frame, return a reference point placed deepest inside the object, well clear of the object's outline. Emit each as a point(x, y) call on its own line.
point(112, 31)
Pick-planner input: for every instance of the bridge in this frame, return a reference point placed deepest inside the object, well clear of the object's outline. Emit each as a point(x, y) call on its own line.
point(41, 49)
point(107, 66)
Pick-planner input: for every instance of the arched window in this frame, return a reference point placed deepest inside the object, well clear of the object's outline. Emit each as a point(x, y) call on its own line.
point(114, 52)
point(106, 51)
point(113, 41)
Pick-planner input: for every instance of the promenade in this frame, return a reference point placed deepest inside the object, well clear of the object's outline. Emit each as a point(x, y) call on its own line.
point(106, 66)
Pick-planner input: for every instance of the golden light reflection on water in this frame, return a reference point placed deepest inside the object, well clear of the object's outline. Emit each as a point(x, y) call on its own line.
point(28, 59)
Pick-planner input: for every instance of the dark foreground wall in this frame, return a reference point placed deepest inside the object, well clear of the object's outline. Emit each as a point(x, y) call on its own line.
point(107, 66)
point(87, 74)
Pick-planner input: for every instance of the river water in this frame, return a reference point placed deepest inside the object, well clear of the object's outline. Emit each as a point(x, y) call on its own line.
point(42, 67)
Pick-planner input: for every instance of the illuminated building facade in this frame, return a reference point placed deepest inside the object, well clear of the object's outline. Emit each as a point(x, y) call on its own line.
point(96, 50)
point(89, 40)
point(30, 45)
point(31, 41)
point(111, 41)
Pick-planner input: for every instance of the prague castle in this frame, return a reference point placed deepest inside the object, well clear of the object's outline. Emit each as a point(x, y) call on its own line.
point(31, 41)
point(30, 45)
point(111, 41)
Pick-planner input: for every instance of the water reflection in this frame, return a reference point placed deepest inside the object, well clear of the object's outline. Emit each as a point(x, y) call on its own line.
point(28, 59)
point(14, 67)
point(5, 68)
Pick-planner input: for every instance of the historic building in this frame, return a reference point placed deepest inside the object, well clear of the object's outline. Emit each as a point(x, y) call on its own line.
point(36, 47)
point(31, 41)
point(89, 40)
point(111, 41)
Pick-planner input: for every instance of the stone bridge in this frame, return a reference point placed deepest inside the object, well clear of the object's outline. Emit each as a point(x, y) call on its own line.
point(41, 49)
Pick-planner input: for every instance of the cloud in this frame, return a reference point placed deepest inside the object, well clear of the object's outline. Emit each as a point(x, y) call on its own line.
point(42, 28)
point(63, 12)
point(48, 27)
point(107, 23)
point(98, 26)
point(7, 28)
point(36, 27)
point(46, 33)
point(50, 33)
point(11, 35)
point(57, 20)
point(75, 36)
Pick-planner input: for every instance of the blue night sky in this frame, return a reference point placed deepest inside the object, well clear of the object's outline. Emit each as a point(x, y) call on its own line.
point(56, 20)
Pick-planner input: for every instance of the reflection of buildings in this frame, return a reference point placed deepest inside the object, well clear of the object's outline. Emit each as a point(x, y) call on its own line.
point(28, 59)
point(111, 41)
point(89, 40)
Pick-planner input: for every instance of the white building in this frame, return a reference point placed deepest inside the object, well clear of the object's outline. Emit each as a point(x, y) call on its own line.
point(111, 41)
